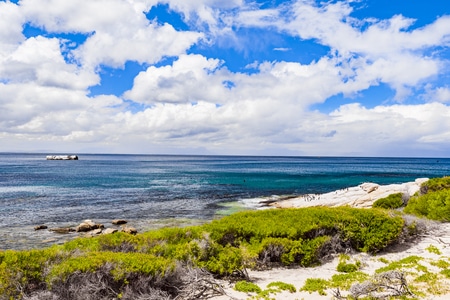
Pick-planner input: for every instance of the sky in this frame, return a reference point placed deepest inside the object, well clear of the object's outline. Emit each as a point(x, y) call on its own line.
point(235, 77)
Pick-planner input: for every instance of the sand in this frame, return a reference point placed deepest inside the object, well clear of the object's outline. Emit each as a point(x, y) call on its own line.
point(437, 236)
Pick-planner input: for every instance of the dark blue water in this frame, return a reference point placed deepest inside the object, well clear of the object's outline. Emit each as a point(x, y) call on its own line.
point(148, 187)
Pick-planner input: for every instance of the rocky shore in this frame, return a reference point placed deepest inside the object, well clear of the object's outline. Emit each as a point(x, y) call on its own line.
point(361, 196)
point(91, 228)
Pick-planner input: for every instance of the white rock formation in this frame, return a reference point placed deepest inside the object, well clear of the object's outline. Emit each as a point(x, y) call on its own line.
point(363, 195)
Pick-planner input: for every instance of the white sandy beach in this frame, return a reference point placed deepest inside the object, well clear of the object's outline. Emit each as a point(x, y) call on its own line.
point(438, 235)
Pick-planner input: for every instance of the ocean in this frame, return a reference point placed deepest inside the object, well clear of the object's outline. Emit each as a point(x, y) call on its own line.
point(158, 190)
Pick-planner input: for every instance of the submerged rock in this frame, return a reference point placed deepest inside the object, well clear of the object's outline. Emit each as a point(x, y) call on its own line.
point(40, 227)
point(119, 222)
point(62, 230)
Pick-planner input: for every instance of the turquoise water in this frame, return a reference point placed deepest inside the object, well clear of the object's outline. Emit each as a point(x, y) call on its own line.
point(151, 188)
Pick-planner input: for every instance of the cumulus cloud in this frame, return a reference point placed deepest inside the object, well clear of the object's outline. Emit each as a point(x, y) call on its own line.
point(11, 20)
point(40, 60)
point(194, 101)
point(118, 30)
point(376, 50)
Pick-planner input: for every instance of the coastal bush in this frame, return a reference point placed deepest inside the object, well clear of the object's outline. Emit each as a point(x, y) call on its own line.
point(365, 230)
point(173, 257)
point(435, 184)
point(392, 201)
point(434, 205)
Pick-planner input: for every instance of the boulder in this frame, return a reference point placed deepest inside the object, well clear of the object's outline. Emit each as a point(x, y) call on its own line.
point(128, 229)
point(88, 225)
point(96, 231)
point(109, 231)
point(119, 222)
point(83, 227)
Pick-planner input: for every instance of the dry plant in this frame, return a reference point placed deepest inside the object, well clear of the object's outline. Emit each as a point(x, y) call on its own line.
point(381, 286)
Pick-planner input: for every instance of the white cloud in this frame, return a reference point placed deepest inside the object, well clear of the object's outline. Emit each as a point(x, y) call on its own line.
point(118, 30)
point(144, 45)
point(40, 60)
point(386, 51)
point(194, 78)
point(440, 94)
point(196, 102)
point(11, 20)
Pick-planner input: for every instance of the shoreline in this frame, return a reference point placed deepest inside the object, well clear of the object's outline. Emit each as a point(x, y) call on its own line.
point(429, 252)
point(25, 237)
point(361, 196)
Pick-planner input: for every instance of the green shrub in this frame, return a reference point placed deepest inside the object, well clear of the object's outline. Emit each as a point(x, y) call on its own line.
point(345, 267)
point(20, 269)
point(433, 205)
point(435, 184)
point(434, 249)
point(446, 273)
point(407, 262)
point(366, 230)
point(223, 247)
point(122, 264)
point(247, 287)
point(392, 201)
point(282, 286)
point(316, 285)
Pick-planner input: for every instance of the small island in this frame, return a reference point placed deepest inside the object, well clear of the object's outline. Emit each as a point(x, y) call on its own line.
point(62, 157)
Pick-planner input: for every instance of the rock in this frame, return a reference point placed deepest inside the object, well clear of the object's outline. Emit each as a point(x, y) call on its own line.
point(362, 196)
point(40, 227)
point(83, 227)
point(119, 222)
point(62, 230)
point(130, 230)
point(97, 231)
point(109, 231)
point(88, 225)
point(369, 187)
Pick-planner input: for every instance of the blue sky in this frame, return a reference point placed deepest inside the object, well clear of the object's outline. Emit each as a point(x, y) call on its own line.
point(305, 77)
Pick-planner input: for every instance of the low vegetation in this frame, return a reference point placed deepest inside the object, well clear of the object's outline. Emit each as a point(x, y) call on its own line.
point(433, 202)
point(169, 261)
point(392, 201)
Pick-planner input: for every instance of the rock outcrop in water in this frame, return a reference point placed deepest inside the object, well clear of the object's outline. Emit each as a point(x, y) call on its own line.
point(62, 157)
point(88, 225)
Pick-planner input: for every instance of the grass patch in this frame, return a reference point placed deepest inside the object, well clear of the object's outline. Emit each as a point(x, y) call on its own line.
point(434, 249)
point(318, 285)
point(247, 287)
